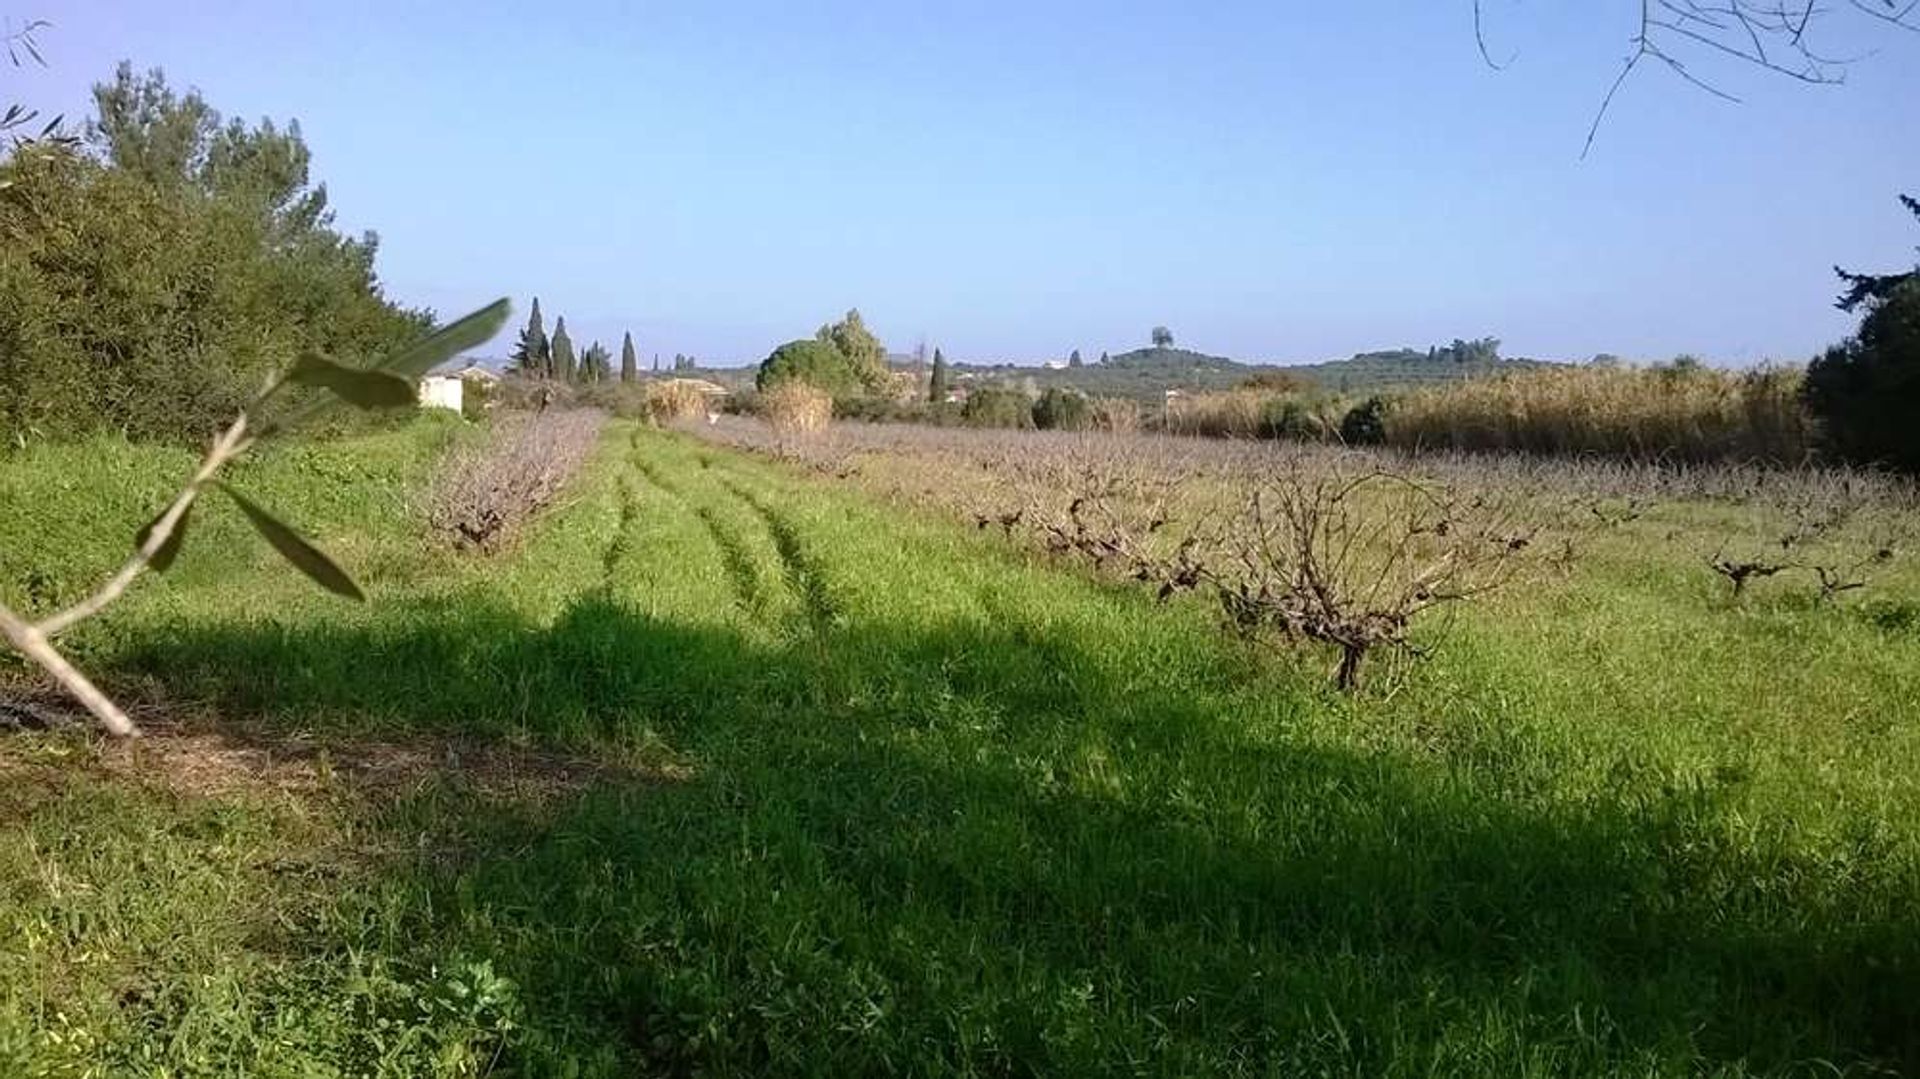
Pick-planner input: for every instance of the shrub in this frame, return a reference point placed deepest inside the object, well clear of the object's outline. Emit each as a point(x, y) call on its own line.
point(1062, 410)
point(1365, 424)
point(796, 407)
point(997, 406)
point(881, 409)
point(1866, 390)
point(485, 492)
point(816, 363)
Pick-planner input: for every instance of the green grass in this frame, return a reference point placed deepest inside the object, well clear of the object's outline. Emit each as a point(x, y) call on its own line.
point(874, 794)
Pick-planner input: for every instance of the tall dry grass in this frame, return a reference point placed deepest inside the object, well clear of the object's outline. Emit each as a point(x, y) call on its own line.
point(675, 399)
point(1252, 413)
point(1674, 413)
point(796, 408)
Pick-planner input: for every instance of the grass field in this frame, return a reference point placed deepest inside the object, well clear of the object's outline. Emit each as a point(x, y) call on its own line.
point(731, 768)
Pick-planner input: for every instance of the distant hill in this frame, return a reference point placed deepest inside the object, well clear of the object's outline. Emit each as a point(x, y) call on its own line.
point(1147, 373)
point(1402, 368)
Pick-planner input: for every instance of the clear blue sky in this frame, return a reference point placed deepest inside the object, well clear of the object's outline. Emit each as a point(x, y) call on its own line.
point(1012, 180)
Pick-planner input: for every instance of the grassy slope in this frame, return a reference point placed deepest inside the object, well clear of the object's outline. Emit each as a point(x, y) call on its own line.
point(899, 801)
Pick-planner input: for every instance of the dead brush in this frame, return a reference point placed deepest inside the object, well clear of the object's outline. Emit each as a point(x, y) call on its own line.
point(1340, 559)
point(486, 491)
point(1833, 531)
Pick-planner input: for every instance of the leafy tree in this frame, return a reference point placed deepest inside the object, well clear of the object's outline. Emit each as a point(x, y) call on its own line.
point(1074, 359)
point(1104, 358)
point(533, 355)
point(1162, 337)
point(1059, 409)
point(1865, 391)
point(629, 360)
point(815, 362)
point(861, 348)
point(150, 280)
point(937, 382)
point(564, 367)
point(998, 406)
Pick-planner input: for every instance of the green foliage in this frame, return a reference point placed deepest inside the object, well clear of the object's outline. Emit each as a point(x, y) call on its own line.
point(565, 365)
point(815, 362)
point(1866, 288)
point(596, 364)
point(1162, 337)
point(1865, 391)
point(1483, 350)
point(997, 405)
point(1059, 409)
point(152, 289)
point(866, 356)
point(1073, 360)
point(1365, 424)
point(629, 360)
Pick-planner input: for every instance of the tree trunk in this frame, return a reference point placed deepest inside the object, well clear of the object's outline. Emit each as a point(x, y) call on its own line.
point(1348, 676)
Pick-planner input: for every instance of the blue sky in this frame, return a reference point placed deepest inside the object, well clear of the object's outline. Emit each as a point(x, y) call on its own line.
point(1283, 182)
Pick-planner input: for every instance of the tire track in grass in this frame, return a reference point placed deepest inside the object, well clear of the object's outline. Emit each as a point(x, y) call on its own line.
point(621, 543)
point(736, 561)
point(802, 572)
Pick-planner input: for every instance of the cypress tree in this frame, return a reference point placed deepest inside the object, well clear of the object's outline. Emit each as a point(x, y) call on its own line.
point(937, 384)
point(531, 356)
point(1074, 360)
point(596, 364)
point(629, 362)
point(563, 362)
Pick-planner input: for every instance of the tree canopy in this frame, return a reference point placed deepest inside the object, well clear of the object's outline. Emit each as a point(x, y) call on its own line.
point(864, 352)
point(815, 362)
point(1866, 390)
point(151, 276)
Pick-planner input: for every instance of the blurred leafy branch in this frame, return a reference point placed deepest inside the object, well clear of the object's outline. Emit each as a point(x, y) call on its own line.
point(275, 410)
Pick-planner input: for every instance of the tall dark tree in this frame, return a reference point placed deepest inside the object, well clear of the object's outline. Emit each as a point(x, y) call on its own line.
point(1865, 391)
point(1162, 337)
point(533, 355)
point(937, 382)
point(656, 363)
point(629, 360)
point(1074, 359)
point(1104, 358)
point(564, 366)
point(596, 364)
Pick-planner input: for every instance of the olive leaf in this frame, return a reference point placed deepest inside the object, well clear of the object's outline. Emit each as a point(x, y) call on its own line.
point(406, 365)
point(162, 559)
point(305, 557)
point(363, 389)
point(429, 352)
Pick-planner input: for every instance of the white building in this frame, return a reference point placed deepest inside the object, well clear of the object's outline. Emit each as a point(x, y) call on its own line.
point(442, 391)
